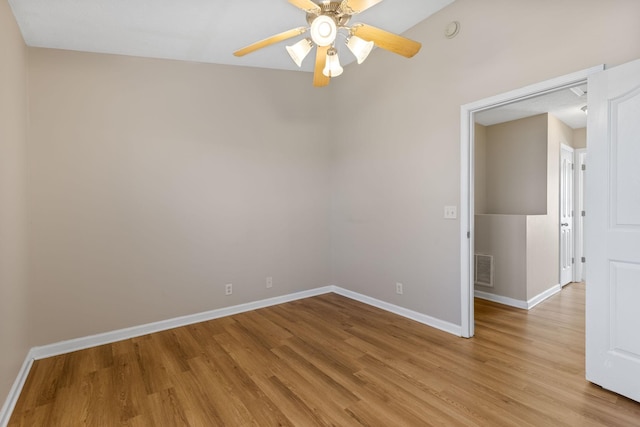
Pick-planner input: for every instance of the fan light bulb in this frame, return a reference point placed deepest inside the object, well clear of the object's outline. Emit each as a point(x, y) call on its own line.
point(332, 68)
point(323, 30)
point(360, 48)
point(300, 50)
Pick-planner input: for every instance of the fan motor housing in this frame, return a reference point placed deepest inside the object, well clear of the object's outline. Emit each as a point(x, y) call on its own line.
point(332, 10)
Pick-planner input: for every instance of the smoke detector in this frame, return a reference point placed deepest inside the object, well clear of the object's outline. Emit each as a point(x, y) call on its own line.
point(452, 29)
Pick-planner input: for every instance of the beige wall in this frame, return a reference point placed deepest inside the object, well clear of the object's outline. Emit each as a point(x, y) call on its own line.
point(546, 246)
point(399, 159)
point(580, 138)
point(505, 238)
point(480, 165)
point(13, 127)
point(516, 167)
point(154, 183)
point(543, 258)
point(525, 247)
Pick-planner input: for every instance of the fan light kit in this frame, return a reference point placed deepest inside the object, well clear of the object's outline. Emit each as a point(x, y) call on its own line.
point(323, 30)
point(360, 48)
point(300, 50)
point(326, 20)
point(332, 67)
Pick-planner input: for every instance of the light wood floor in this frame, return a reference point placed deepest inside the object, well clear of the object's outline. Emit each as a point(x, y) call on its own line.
point(329, 360)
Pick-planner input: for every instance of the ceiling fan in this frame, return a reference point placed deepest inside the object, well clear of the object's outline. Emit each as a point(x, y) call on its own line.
point(326, 19)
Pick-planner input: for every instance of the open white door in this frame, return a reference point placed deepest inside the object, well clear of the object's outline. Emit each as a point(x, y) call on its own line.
point(613, 230)
point(567, 257)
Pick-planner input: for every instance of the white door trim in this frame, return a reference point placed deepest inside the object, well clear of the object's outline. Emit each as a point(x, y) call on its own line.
point(467, 113)
point(581, 158)
point(569, 249)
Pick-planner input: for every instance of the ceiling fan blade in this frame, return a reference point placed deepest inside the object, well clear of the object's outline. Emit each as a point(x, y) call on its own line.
point(306, 5)
point(269, 41)
point(356, 6)
point(320, 79)
point(386, 40)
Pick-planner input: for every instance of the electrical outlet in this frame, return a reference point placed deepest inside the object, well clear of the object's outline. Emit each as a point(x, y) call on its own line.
point(228, 289)
point(269, 282)
point(398, 288)
point(450, 212)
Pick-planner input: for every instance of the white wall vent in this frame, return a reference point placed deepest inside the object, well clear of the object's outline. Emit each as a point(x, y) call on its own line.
point(483, 270)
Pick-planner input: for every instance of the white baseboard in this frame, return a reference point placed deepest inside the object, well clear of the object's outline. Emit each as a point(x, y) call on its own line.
point(68, 346)
point(525, 305)
point(501, 299)
point(543, 296)
point(14, 393)
point(163, 325)
point(401, 311)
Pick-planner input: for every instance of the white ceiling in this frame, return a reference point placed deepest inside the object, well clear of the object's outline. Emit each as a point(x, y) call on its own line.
point(191, 30)
point(211, 30)
point(563, 104)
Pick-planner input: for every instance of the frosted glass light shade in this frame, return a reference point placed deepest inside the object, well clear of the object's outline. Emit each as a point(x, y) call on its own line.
point(360, 48)
point(332, 67)
point(299, 51)
point(323, 30)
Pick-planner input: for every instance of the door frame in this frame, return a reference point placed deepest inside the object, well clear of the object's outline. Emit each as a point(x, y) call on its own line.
point(578, 224)
point(467, 157)
point(572, 243)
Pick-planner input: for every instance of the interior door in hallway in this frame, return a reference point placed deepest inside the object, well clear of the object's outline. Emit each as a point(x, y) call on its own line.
point(613, 230)
point(567, 258)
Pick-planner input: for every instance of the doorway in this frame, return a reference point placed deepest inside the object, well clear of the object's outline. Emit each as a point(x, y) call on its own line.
point(567, 208)
point(467, 203)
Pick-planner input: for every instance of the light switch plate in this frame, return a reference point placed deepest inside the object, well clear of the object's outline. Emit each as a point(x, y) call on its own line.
point(451, 212)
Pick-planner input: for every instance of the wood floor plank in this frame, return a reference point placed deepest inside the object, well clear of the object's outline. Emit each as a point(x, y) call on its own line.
point(332, 361)
point(294, 405)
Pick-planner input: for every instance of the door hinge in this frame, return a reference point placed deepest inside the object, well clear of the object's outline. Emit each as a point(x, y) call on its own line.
point(584, 213)
point(571, 166)
point(584, 259)
point(584, 167)
point(468, 234)
point(573, 260)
